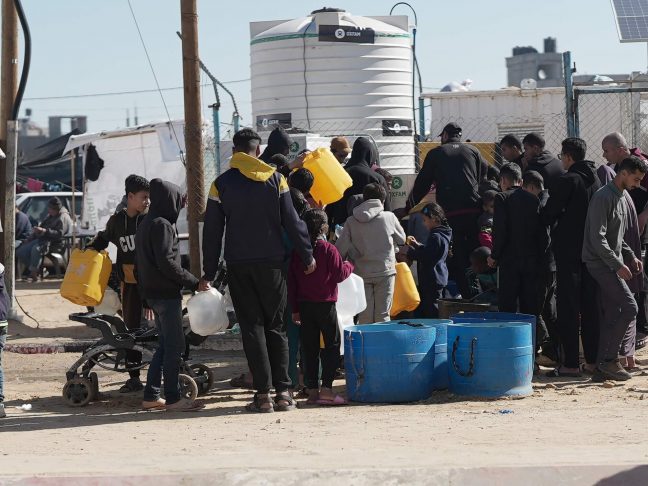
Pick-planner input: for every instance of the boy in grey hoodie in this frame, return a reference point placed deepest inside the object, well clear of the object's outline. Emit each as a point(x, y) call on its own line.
point(369, 238)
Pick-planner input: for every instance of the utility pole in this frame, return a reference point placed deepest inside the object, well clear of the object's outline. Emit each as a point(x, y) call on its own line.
point(193, 129)
point(8, 87)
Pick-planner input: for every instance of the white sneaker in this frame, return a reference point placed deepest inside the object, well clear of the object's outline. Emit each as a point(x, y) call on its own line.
point(3, 414)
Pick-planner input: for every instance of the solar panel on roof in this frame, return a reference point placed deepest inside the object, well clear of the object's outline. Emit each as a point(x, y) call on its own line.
point(631, 19)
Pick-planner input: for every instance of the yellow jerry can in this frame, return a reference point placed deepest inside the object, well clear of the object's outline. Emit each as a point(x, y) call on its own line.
point(86, 277)
point(330, 178)
point(406, 295)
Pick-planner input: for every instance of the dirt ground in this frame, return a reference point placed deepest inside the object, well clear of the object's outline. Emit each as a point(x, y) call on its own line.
point(572, 422)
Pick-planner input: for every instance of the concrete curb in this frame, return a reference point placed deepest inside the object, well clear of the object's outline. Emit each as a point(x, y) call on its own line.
point(220, 342)
point(603, 475)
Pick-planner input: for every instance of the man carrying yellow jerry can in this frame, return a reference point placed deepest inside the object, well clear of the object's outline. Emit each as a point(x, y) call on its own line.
point(120, 230)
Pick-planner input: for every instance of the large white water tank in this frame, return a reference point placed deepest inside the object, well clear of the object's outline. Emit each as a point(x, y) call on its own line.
point(333, 73)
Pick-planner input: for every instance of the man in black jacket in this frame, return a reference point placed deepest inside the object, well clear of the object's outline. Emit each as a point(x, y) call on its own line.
point(541, 160)
point(519, 244)
point(457, 169)
point(161, 278)
point(251, 205)
point(566, 211)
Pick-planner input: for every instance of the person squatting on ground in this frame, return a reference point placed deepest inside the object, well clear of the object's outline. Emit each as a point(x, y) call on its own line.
point(120, 230)
point(611, 262)
point(47, 237)
point(251, 205)
point(432, 256)
point(457, 169)
point(313, 299)
point(161, 278)
point(370, 239)
point(565, 212)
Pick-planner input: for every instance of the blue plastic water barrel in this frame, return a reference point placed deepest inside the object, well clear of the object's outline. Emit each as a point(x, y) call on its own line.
point(490, 358)
point(389, 362)
point(440, 374)
point(498, 316)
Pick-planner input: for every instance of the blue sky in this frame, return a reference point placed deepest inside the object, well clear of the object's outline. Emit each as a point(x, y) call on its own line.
point(91, 46)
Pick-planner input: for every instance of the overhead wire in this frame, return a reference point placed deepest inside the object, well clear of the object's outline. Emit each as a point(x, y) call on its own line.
point(157, 83)
point(120, 93)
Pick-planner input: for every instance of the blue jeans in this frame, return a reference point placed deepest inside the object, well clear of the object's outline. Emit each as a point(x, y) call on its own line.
point(168, 356)
point(3, 341)
point(29, 255)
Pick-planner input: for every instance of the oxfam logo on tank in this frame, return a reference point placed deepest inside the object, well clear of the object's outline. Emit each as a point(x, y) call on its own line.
point(340, 34)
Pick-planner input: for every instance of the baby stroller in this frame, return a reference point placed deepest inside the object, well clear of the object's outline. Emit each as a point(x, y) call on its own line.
point(109, 353)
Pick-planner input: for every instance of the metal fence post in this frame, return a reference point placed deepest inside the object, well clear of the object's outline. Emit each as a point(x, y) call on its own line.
point(572, 130)
point(217, 156)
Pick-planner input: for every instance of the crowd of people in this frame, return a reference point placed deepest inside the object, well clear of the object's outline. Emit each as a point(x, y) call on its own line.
point(553, 237)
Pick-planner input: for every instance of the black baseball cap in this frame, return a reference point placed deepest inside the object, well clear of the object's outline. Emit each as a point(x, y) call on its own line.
point(451, 129)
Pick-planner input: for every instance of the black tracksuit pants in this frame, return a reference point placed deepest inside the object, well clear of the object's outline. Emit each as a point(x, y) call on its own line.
point(518, 287)
point(259, 296)
point(316, 318)
point(577, 309)
point(464, 241)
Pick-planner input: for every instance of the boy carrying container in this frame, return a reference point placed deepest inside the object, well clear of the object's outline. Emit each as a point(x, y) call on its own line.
point(120, 231)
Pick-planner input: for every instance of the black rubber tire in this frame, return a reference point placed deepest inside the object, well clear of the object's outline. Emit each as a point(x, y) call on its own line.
point(204, 378)
point(188, 387)
point(77, 392)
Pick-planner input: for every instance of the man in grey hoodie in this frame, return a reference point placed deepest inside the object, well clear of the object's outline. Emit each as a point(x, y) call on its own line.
point(612, 263)
point(369, 238)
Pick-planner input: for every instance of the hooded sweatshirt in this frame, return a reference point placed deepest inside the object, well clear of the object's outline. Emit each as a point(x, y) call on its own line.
point(566, 210)
point(120, 231)
point(369, 238)
point(322, 284)
point(158, 270)
point(253, 201)
point(549, 167)
point(363, 157)
point(278, 142)
point(432, 256)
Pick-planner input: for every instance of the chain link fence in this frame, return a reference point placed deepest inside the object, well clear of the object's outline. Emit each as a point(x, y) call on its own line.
point(599, 112)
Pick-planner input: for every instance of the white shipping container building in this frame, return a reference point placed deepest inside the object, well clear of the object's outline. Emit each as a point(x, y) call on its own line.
point(486, 116)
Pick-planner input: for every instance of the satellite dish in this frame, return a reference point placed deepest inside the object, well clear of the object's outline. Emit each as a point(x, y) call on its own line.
point(529, 83)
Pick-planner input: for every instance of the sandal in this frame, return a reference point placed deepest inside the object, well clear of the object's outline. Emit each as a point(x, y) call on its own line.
point(330, 402)
point(149, 405)
point(558, 373)
point(132, 385)
point(286, 396)
point(301, 394)
point(240, 382)
point(184, 405)
point(257, 405)
point(587, 369)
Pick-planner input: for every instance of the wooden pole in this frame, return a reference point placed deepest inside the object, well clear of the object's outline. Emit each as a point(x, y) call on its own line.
point(8, 89)
point(193, 129)
point(9, 215)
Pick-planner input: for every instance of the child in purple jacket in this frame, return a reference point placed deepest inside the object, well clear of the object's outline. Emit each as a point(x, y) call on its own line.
point(313, 298)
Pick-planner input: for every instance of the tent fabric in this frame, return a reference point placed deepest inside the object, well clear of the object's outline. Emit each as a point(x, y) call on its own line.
point(140, 153)
point(48, 152)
